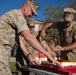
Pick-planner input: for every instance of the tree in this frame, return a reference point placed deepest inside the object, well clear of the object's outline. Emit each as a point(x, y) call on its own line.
point(56, 13)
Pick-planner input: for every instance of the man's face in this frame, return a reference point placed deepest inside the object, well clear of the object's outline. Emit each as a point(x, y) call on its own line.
point(28, 12)
point(67, 23)
point(32, 28)
point(68, 17)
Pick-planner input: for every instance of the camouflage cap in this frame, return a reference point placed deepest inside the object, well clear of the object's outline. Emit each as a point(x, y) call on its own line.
point(69, 10)
point(31, 23)
point(53, 32)
point(48, 37)
point(33, 6)
point(69, 14)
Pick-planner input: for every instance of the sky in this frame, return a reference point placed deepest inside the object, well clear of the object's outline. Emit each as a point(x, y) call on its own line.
point(7, 5)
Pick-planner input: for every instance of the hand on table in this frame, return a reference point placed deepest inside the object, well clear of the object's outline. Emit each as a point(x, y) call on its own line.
point(32, 60)
point(56, 63)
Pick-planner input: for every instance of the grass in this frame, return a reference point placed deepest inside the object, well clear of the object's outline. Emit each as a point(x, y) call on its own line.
point(12, 66)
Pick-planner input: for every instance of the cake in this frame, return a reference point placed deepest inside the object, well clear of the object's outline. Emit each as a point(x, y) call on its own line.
point(65, 64)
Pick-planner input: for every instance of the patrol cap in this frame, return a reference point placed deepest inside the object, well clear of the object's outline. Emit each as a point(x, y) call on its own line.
point(69, 10)
point(48, 37)
point(33, 6)
point(69, 14)
point(31, 23)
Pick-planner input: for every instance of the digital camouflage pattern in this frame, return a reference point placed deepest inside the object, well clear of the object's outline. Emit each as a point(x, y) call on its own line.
point(70, 32)
point(20, 56)
point(9, 23)
point(69, 10)
point(4, 70)
point(30, 48)
point(33, 6)
point(31, 22)
point(51, 32)
point(70, 36)
point(67, 37)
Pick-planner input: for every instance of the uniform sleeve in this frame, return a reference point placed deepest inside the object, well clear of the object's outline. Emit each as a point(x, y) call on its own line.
point(20, 22)
point(74, 33)
point(43, 42)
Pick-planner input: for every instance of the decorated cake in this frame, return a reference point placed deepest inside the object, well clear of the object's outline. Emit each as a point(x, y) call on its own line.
point(66, 64)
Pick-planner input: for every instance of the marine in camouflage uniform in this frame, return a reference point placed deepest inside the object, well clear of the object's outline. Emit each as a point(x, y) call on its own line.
point(31, 24)
point(11, 23)
point(67, 32)
point(67, 37)
point(7, 38)
point(22, 60)
point(70, 37)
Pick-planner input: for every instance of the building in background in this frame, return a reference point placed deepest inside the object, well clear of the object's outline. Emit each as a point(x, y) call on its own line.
point(38, 25)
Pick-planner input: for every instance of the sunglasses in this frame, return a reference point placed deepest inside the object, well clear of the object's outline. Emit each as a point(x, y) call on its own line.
point(32, 26)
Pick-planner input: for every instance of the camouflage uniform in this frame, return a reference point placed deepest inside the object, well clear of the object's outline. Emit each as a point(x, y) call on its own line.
point(21, 58)
point(9, 23)
point(71, 38)
point(30, 48)
point(31, 24)
point(67, 33)
point(67, 37)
